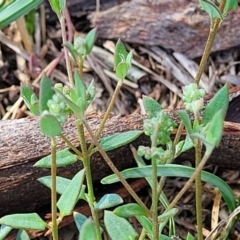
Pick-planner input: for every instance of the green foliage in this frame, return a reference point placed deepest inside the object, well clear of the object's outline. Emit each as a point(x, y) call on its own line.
point(15, 9)
point(58, 6)
point(152, 107)
point(174, 170)
point(108, 201)
point(4, 231)
point(88, 231)
point(79, 219)
point(129, 210)
point(211, 9)
point(22, 235)
point(69, 197)
point(121, 229)
point(119, 139)
point(64, 158)
point(90, 40)
point(30, 221)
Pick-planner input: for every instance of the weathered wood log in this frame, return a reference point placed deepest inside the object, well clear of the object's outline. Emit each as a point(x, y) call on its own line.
point(178, 25)
point(22, 145)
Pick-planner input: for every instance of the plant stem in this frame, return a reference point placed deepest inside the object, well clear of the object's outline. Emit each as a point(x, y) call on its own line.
point(115, 170)
point(190, 181)
point(53, 190)
point(71, 145)
point(107, 113)
point(86, 164)
point(64, 39)
point(198, 187)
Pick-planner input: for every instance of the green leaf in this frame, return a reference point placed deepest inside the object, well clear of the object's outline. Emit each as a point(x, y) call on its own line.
point(119, 139)
point(215, 128)
point(16, 9)
point(30, 221)
point(90, 39)
point(129, 59)
point(69, 197)
point(91, 92)
point(230, 5)
point(186, 121)
point(121, 70)
point(88, 231)
point(190, 236)
point(72, 50)
point(145, 222)
point(80, 87)
point(4, 231)
point(108, 201)
point(218, 102)
point(172, 212)
point(30, 99)
point(120, 53)
point(78, 111)
point(79, 219)
point(211, 8)
point(174, 170)
point(58, 6)
point(209, 146)
point(22, 235)
point(62, 184)
point(46, 93)
point(64, 158)
point(129, 210)
point(49, 125)
point(152, 107)
point(121, 229)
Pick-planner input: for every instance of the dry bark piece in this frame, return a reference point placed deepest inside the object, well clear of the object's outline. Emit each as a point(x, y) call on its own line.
point(178, 25)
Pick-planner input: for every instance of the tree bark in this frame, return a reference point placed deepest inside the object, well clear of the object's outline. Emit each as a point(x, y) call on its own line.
point(181, 26)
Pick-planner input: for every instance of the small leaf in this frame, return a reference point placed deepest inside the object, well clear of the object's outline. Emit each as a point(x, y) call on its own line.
point(121, 70)
point(152, 107)
point(108, 201)
point(145, 222)
point(211, 8)
point(22, 235)
point(79, 219)
point(230, 5)
point(190, 236)
point(58, 6)
point(215, 128)
point(30, 221)
point(218, 102)
point(4, 231)
point(119, 139)
point(129, 210)
point(88, 231)
point(171, 213)
point(49, 125)
point(64, 158)
point(175, 170)
point(129, 59)
point(186, 121)
point(46, 93)
point(120, 51)
point(80, 87)
point(121, 229)
point(69, 197)
point(72, 50)
point(90, 39)
point(62, 184)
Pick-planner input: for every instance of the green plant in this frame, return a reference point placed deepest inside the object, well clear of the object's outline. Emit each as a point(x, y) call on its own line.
point(56, 103)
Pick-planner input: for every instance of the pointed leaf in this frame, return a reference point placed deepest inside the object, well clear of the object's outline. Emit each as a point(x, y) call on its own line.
point(121, 229)
point(49, 125)
point(90, 39)
point(170, 213)
point(64, 158)
point(46, 93)
point(186, 120)
point(190, 237)
point(129, 59)
point(58, 6)
point(22, 235)
point(121, 70)
point(119, 139)
point(80, 87)
point(231, 5)
point(88, 231)
point(218, 102)
point(79, 219)
point(152, 107)
point(108, 201)
point(62, 184)
point(145, 222)
point(129, 210)
point(211, 8)
point(174, 170)
point(72, 50)
point(120, 51)
point(69, 197)
point(30, 221)
point(4, 231)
